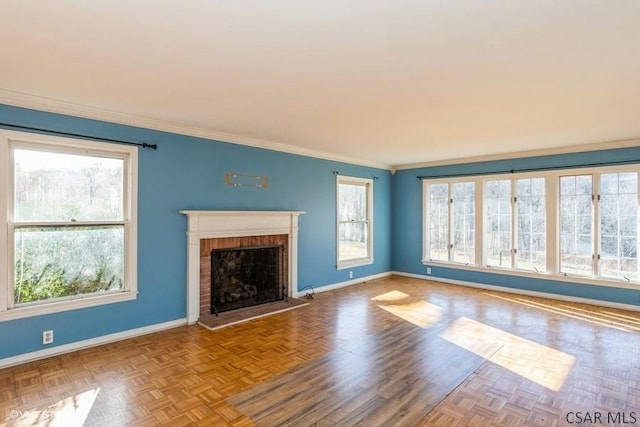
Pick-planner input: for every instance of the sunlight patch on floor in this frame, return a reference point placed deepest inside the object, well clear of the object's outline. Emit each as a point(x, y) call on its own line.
point(420, 313)
point(391, 296)
point(605, 318)
point(535, 362)
point(70, 412)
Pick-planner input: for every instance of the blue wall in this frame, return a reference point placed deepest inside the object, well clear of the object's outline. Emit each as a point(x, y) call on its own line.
point(407, 225)
point(188, 173)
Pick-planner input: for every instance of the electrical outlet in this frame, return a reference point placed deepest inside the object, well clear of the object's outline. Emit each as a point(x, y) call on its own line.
point(351, 275)
point(47, 337)
point(428, 270)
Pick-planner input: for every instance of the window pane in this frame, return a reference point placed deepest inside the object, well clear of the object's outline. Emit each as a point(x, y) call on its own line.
point(352, 202)
point(53, 262)
point(618, 225)
point(464, 222)
point(530, 222)
point(353, 222)
point(439, 222)
point(62, 187)
point(576, 230)
point(352, 243)
point(498, 225)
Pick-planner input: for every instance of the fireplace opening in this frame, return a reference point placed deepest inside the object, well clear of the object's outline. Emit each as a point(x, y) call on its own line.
point(246, 276)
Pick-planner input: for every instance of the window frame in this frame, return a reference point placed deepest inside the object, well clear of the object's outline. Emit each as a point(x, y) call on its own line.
point(518, 211)
point(9, 141)
point(552, 224)
point(597, 260)
point(367, 183)
point(601, 258)
point(485, 221)
point(451, 258)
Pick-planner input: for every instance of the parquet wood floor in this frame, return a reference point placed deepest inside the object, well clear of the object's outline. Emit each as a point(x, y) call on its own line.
point(394, 351)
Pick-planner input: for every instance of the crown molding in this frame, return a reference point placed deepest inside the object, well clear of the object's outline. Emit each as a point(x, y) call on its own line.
point(608, 145)
point(18, 99)
point(34, 102)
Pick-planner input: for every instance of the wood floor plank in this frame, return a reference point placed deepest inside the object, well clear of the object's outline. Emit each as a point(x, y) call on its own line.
point(402, 372)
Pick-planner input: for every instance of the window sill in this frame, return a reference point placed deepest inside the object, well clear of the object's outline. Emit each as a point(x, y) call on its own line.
point(533, 275)
point(59, 306)
point(354, 263)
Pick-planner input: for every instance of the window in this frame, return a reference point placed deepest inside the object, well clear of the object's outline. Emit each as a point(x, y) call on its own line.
point(561, 223)
point(515, 229)
point(451, 204)
point(530, 224)
point(615, 210)
point(464, 222)
point(576, 225)
point(498, 247)
point(71, 228)
point(354, 221)
point(618, 206)
point(439, 222)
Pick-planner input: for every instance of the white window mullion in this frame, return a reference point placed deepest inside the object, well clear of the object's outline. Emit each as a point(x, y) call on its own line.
point(552, 194)
point(479, 219)
point(596, 225)
point(425, 221)
point(638, 226)
point(450, 206)
point(4, 220)
point(514, 225)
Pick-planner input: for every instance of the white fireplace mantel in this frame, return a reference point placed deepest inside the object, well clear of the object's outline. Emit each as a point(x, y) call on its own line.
point(218, 224)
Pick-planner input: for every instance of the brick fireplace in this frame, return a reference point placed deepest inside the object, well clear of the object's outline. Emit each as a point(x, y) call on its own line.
point(209, 231)
point(234, 248)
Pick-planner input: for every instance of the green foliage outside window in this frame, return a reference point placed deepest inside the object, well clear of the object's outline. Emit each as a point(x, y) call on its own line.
point(55, 282)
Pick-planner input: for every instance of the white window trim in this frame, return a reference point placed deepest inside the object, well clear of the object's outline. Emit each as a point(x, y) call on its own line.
point(368, 184)
point(425, 214)
point(130, 155)
point(552, 201)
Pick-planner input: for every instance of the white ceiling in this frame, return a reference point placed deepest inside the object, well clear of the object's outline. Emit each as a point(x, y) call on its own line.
point(380, 82)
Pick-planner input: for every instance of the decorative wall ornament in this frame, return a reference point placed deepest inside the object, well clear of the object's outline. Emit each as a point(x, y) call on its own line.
point(243, 180)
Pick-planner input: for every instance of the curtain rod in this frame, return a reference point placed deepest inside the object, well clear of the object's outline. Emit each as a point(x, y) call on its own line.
point(338, 173)
point(76, 135)
point(585, 165)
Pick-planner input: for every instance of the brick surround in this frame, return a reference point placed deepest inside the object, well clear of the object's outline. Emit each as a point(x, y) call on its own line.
point(207, 245)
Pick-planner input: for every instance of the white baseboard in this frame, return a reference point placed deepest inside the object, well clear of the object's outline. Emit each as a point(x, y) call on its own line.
point(92, 342)
point(300, 293)
point(559, 297)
